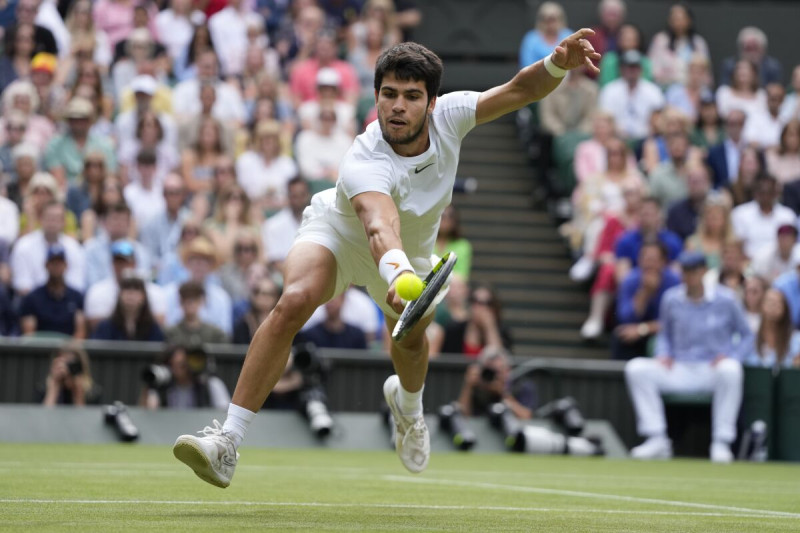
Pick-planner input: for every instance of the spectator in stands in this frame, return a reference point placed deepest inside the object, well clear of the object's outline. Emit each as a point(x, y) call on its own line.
point(763, 126)
point(752, 45)
point(262, 171)
point(756, 222)
point(232, 214)
point(132, 319)
point(20, 47)
point(228, 29)
point(714, 231)
point(320, 151)
point(150, 136)
point(483, 330)
point(26, 13)
point(631, 99)
point(751, 166)
point(128, 126)
point(172, 269)
point(278, 231)
point(783, 161)
point(162, 232)
point(789, 284)
point(145, 196)
point(201, 259)
point(197, 162)
point(191, 383)
point(651, 227)
point(671, 50)
point(723, 158)
point(175, 26)
point(611, 15)
point(110, 194)
point(295, 39)
point(590, 155)
point(629, 38)
point(682, 215)
point(41, 191)
point(670, 122)
point(478, 393)
point(638, 301)
point(551, 28)
point(364, 53)
point(65, 153)
point(82, 29)
point(743, 92)
point(247, 260)
point(9, 216)
point(571, 106)
point(731, 272)
point(774, 260)
point(334, 332)
point(777, 344)
point(600, 195)
point(708, 130)
point(185, 67)
point(191, 330)
point(669, 179)
point(449, 239)
point(190, 127)
point(54, 307)
point(228, 106)
point(263, 297)
point(303, 78)
point(755, 289)
point(15, 124)
point(30, 253)
point(692, 354)
point(86, 193)
point(380, 12)
point(21, 96)
point(69, 380)
point(689, 96)
point(329, 96)
point(117, 226)
point(790, 109)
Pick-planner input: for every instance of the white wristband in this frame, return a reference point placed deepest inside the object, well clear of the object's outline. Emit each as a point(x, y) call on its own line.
point(392, 264)
point(552, 68)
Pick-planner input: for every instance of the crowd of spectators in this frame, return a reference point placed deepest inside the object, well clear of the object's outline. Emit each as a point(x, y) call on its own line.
point(157, 157)
point(677, 151)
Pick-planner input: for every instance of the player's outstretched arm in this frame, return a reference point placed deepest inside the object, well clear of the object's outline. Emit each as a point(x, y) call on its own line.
point(378, 213)
point(536, 81)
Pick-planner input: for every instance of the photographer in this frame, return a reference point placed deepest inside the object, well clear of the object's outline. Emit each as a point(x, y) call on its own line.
point(486, 383)
point(184, 380)
point(69, 381)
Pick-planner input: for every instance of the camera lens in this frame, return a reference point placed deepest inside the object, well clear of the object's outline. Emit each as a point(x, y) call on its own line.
point(488, 374)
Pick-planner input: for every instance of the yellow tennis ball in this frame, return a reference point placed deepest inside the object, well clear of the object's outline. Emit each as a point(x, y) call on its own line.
point(408, 286)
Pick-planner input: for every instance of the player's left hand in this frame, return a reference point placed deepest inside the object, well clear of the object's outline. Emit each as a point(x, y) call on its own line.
point(575, 51)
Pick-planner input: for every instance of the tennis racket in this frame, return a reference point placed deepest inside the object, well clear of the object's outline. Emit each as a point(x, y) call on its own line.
point(433, 283)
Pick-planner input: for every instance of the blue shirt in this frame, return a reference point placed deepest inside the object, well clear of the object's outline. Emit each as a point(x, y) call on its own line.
point(768, 358)
point(349, 338)
point(699, 331)
point(630, 243)
point(218, 309)
point(53, 314)
point(626, 313)
point(534, 47)
point(789, 284)
point(107, 330)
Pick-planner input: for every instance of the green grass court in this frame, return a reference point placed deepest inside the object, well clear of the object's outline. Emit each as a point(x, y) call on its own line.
point(123, 488)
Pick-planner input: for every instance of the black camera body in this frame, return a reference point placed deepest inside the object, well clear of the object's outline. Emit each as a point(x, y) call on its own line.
point(75, 367)
point(116, 415)
point(313, 403)
point(157, 376)
point(565, 413)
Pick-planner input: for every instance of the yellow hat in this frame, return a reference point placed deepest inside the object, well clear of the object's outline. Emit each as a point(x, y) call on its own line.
point(44, 62)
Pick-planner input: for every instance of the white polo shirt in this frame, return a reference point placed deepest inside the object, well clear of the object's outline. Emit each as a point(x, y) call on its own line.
point(758, 230)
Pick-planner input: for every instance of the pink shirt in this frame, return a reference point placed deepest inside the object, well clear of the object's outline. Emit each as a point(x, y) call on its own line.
point(116, 19)
point(303, 80)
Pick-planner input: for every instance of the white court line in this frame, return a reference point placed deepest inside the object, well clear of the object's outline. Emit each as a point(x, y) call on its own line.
point(580, 494)
point(423, 507)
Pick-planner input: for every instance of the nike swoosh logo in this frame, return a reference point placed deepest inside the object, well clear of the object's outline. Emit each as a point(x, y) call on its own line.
point(395, 265)
point(418, 170)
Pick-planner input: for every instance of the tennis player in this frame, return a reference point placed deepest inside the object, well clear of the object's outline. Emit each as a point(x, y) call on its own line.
point(380, 221)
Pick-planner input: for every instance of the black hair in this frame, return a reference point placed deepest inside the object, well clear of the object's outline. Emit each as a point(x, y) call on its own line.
point(690, 33)
point(145, 322)
point(656, 244)
point(411, 61)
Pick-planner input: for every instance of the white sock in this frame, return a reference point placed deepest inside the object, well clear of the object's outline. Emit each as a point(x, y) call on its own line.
point(236, 423)
point(410, 403)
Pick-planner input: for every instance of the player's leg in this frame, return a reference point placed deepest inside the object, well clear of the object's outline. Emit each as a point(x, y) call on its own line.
point(311, 271)
point(403, 393)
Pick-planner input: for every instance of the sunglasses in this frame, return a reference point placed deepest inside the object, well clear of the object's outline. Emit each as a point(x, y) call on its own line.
point(242, 249)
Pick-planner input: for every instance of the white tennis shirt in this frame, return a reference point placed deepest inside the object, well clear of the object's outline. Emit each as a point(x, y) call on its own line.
point(421, 186)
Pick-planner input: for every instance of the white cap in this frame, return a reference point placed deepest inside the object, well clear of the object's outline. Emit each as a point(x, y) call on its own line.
point(328, 77)
point(144, 83)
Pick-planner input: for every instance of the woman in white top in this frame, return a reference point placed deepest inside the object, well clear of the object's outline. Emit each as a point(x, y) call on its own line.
point(743, 92)
point(776, 345)
point(783, 162)
point(81, 27)
point(263, 171)
point(672, 49)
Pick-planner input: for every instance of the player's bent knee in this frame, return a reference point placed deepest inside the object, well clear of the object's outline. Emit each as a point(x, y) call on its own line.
point(294, 307)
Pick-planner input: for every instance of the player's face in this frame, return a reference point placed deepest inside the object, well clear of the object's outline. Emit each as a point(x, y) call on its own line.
point(403, 110)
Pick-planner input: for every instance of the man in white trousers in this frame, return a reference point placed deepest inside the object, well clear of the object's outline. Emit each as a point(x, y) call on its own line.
point(380, 221)
point(704, 334)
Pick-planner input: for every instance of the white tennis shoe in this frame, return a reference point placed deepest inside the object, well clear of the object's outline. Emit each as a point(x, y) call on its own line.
point(213, 456)
point(412, 440)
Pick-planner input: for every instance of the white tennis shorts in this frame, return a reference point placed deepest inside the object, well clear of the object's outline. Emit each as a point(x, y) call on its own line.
point(355, 264)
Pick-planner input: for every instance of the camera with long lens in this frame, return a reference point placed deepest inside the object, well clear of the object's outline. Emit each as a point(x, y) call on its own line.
point(313, 403)
point(453, 422)
point(565, 413)
point(502, 419)
point(157, 376)
point(488, 374)
point(75, 367)
point(116, 415)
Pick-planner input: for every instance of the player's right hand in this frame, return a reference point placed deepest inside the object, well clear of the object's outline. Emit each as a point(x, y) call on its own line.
point(392, 299)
